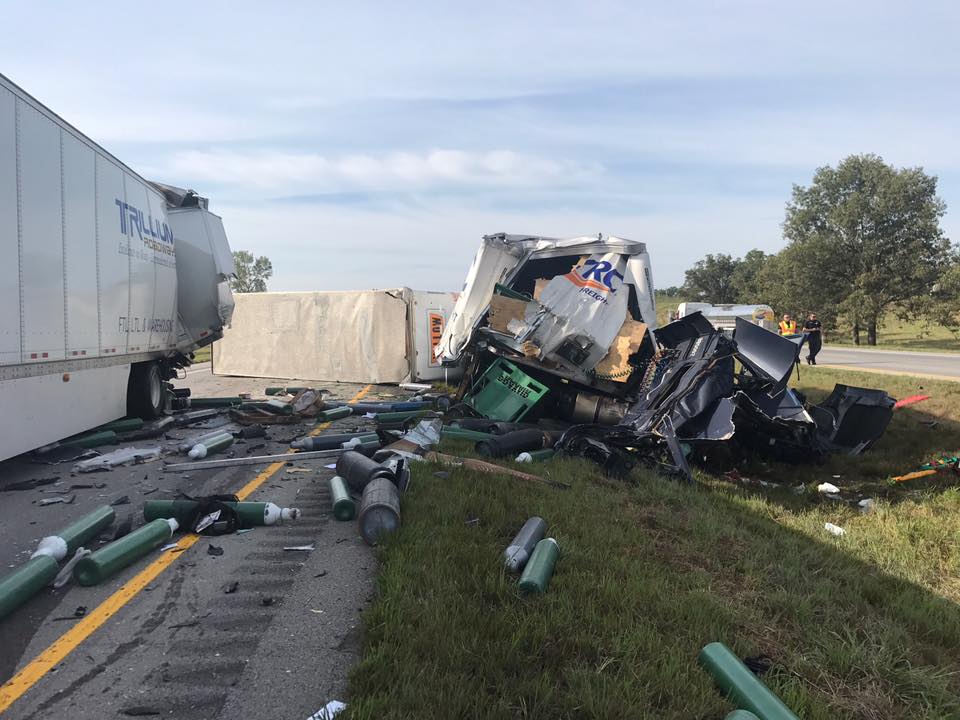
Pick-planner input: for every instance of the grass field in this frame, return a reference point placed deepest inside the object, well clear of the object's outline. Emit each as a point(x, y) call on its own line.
point(862, 626)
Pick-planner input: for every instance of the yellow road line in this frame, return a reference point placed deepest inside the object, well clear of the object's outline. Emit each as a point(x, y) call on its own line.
point(31, 674)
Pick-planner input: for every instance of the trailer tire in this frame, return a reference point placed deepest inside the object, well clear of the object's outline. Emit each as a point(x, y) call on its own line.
point(145, 391)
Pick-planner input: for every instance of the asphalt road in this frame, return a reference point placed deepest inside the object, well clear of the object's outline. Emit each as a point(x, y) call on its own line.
point(190, 644)
point(943, 365)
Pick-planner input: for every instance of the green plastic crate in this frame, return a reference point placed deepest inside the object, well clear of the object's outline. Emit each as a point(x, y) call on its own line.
point(504, 392)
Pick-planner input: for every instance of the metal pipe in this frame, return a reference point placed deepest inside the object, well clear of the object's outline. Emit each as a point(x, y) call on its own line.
point(257, 460)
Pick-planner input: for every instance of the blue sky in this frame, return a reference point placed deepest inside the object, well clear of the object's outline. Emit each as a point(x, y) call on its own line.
point(364, 145)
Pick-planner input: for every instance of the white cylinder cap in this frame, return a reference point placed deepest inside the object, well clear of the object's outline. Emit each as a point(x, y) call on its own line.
point(53, 546)
point(174, 525)
point(524, 457)
point(198, 451)
point(272, 514)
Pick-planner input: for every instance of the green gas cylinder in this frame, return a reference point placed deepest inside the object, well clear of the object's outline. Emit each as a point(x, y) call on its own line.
point(117, 555)
point(539, 568)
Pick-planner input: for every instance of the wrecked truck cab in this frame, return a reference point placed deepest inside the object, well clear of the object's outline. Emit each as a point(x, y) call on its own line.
point(549, 327)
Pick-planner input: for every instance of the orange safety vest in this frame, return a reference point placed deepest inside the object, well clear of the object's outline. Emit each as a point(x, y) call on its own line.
point(788, 328)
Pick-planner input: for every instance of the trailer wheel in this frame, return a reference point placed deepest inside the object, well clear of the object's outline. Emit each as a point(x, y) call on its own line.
point(145, 391)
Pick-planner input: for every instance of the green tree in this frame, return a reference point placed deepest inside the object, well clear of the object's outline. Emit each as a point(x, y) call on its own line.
point(746, 278)
point(866, 236)
point(250, 275)
point(712, 279)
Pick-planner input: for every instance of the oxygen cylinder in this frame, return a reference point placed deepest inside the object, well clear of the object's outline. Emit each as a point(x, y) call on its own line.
point(518, 551)
point(90, 440)
point(120, 553)
point(335, 413)
point(79, 533)
point(536, 575)
point(513, 442)
point(357, 470)
point(385, 407)
point(741, 686)
point(343, 507)
point(26, 581)
point(379, 510)
point(389, 418)
point(457, 433)
point(124, 425)
point(211, 445)
point(188, 444)
point(214, 402)
point(251, 514)
point(535, 456)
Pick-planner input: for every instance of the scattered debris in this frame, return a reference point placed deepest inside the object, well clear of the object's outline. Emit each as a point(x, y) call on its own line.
point(231, 587)
point(41, 569)
point(123, 527)
point(267, 601)
point(123, 456)
point(866, 505)
point(30, 484)
point(827, 488)
point(571, 341)
point(834, 529)
point(300, 548)
point(214, 550)
point(66, 500)
point(329, 711)
point(122, 500)
point(487, 467)
point(913, 399)
point(77, 614)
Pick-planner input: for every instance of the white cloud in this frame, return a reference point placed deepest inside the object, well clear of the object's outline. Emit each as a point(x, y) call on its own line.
point(305, 173)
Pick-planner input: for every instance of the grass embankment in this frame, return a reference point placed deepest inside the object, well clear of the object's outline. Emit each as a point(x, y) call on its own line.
point(896, 334)
point(863, 626)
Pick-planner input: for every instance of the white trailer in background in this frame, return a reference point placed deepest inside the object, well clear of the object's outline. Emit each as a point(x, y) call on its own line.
point(107, 285)
point(368, 336)
point(724, 317)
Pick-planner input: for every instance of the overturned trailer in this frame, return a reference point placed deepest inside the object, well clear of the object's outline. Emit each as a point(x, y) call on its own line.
point(563, 333)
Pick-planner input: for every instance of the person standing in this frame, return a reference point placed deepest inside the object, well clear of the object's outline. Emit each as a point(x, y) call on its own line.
point(814, 332)
point(788, 326)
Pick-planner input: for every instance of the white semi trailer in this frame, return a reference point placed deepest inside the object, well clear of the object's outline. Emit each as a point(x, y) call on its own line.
point(108, 282)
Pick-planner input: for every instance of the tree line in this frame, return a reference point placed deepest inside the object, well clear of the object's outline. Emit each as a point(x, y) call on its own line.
point(863, 242)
